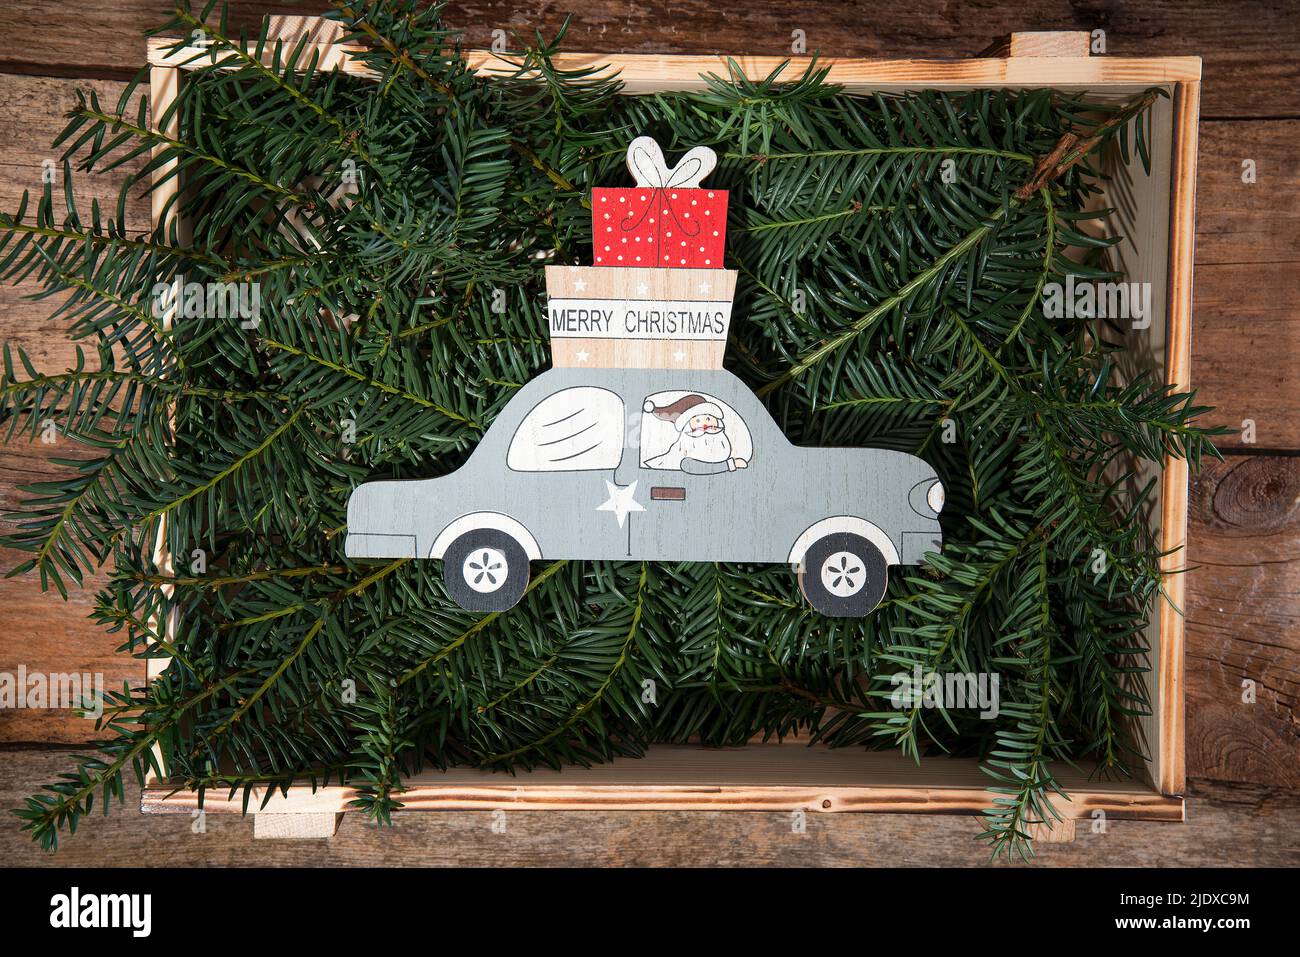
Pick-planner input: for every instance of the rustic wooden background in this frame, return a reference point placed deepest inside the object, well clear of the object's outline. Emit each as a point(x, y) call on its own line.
point(1243, 607)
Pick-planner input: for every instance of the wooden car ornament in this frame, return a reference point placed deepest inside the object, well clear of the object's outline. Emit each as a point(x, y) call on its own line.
point(638, 445)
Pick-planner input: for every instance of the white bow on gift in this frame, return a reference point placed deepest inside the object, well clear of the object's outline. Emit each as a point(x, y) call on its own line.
point(645, 160)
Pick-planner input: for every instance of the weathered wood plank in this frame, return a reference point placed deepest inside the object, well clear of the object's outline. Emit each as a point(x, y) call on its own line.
point(295, 827)
point(1250, 57)
point(41, 631)
point(32, 114)
point(45, 635)
point(1243, 621)
point(1247, 262)
point(1228, 825)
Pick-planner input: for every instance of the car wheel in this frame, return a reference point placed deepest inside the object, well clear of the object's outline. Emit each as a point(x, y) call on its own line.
point(485, 570)
point(843, 575)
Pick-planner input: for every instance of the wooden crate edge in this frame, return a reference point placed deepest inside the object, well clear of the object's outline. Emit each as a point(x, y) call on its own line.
point(1138, 804)
point(1170, 760)
point(638, 70)
point(1181, 72)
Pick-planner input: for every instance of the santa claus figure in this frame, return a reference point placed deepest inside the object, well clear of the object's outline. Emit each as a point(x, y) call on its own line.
point(702, 446)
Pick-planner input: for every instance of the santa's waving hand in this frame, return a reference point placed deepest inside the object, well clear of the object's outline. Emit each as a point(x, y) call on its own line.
point(702, 446)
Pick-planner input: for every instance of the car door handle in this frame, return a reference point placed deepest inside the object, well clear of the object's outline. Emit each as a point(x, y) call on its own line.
point(667, 493)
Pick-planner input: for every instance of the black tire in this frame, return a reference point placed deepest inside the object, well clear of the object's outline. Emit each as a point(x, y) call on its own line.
point(483, 584)
point(852, 585)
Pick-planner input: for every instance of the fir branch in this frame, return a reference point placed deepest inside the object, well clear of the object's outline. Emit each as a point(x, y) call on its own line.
point(215, 480)
point(302, 646)
point(372, 383)
point(157, 139)
point(638, 607)
point(904, 292)
point(474, 629)
point(346, 140)
point(16, 227)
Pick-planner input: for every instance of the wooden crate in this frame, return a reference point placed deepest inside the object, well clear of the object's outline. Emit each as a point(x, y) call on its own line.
point(1155, 214)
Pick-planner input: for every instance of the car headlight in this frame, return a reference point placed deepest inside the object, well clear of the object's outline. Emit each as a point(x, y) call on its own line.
point(934, 497)
point(926, 498)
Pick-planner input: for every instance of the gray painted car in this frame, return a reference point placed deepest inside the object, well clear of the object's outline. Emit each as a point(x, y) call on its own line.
point(599, 464)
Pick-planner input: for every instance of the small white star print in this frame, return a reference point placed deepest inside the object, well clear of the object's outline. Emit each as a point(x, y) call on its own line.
point(621, 501)
point(641, 289)
point(679, 356)
point(583, 355)
point(580, 285)
point(705, 287)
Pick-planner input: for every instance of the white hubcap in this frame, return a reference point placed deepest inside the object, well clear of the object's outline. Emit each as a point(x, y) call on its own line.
point(844, 574)
point(485, 569)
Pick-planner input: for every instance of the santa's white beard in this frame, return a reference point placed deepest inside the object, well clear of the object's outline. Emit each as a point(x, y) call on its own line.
point(704, 446)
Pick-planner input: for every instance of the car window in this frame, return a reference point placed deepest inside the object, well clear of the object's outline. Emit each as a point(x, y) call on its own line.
point(693, 432)
point(573, 430)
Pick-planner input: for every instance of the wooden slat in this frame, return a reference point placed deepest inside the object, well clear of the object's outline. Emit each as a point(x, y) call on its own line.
point(761, 777)
point(41, 631)
point(1243, 621)
point(1052, 832)
point(1226, 825)
point(1246, 333)
point(291, 29)
point(1049, 43)
point(1169, 766)
point(1043, 43)
point(1251, 56)
point(295, 827)
point(648, 73)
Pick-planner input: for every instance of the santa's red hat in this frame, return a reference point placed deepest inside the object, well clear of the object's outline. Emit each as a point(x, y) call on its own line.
point(684, 409)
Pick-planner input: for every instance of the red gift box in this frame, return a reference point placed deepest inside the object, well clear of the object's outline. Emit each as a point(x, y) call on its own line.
point(659, 226)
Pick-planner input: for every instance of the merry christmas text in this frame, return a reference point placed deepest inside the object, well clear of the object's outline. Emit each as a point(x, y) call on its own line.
point(603, 319)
